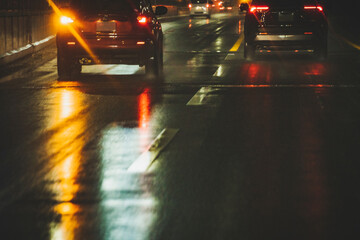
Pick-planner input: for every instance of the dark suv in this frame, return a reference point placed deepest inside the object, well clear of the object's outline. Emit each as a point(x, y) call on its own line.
point(109, 32)
point(285, 25)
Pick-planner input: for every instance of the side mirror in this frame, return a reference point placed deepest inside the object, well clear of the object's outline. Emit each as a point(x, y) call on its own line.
point(244, 7)
point(160, 10)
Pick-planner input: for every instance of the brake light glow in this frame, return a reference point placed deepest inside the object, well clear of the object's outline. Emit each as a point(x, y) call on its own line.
point(190, 5)
point(140, 43)
point(142, 19)
point(71, 43)
point(66, 20)
point(320, 8)
point(207, 5)
point(258, 8)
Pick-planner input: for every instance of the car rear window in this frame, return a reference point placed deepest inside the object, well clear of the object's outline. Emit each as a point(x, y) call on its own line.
point(198, 1)
point(105, 5)
point(284, 3)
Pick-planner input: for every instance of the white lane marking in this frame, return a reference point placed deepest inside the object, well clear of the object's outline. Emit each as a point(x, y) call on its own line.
point(203, 97)
point(230, 56)
point(222, 71)
point(146, 159)
point(286, 86)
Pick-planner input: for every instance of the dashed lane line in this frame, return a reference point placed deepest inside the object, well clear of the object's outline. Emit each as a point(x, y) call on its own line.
point(146, 159)
point(205, 96)
point(237, 44)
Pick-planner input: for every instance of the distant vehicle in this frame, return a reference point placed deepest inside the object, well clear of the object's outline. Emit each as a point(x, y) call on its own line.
point(243, 7)
point(226, 6)
point(109, 31)
point(283, 25)
point(200, 8)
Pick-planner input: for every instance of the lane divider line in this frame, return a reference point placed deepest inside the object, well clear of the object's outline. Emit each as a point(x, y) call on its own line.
point(202, 97)
point(146, 159)
point(286, 86)
point(237, 44)
point(222, 71)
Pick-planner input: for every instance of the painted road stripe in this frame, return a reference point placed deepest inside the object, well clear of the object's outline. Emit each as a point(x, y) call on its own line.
point(143, 163)
point(237, 44)
point(203, 97)
point(286, 86)
point(221, 71)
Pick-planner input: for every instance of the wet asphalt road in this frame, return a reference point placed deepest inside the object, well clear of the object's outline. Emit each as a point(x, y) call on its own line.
point(223, 149)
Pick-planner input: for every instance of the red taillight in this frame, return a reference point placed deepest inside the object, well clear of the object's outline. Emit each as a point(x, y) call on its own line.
point(142, 19)
point(319, 8)
point(190, 5)
point(258, 8)
point(207, 5)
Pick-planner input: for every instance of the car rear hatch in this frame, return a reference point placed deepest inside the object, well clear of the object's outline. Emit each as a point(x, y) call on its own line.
point(108, 18)
point(288, 17)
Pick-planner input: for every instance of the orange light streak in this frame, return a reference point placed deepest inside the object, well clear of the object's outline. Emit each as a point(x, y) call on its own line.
point(74, 33)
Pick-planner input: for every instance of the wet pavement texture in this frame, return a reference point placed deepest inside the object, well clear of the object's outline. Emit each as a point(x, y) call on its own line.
point(221, 148)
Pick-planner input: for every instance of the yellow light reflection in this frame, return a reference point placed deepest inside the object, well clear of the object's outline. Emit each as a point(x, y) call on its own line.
point(65, 147)
point(67, 229)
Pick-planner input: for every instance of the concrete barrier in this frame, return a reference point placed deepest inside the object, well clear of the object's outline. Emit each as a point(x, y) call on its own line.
point(22, 33)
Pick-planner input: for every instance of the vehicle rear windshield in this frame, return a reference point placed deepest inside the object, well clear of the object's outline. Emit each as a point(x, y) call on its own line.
point(284, 3)
point(198, 1)
point(105, 5)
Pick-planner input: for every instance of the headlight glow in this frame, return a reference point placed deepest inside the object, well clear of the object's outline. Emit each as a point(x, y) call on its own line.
point(66, 20)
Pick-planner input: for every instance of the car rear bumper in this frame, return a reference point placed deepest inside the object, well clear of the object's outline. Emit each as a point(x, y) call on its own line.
point(107, 51)
point(292, 38)
point(282, 37)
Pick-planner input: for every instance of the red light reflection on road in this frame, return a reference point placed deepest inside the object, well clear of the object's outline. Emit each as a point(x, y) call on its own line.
point(315, 69)
point(253, 71)
point(144, 109)
point(258, 74)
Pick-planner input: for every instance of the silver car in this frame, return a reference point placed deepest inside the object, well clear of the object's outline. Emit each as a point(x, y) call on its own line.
point(200, 8)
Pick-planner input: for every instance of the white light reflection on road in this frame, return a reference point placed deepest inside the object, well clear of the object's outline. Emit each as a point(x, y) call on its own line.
point(112, 69)
point(127, 204)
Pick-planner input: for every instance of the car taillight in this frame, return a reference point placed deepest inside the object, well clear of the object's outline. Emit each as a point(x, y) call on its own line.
point(319, 8)
point(254, 9)
point(190, 5)
point(66, 20)
point(142, 20)
point(207, 5)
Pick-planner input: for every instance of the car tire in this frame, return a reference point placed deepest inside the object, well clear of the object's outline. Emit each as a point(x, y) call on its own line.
point(249, 51)
point(67, 67)
point(154, 65)
point(321, 50)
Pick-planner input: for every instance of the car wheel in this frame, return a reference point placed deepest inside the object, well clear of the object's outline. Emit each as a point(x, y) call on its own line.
point(321, 50)
point(249, 51)
point(154, 66)
point(67, 67)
